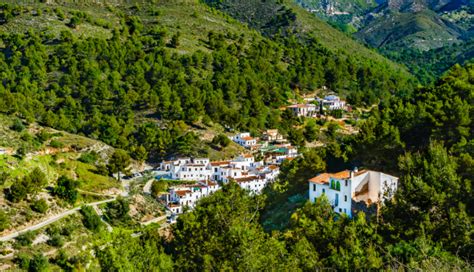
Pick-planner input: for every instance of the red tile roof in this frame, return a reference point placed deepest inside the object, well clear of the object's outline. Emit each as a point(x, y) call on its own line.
point(324, 177)
point(182, 192)
point(219, 163)
point(245, 179)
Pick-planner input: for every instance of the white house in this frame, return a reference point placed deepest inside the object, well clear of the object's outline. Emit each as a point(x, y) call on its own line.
point(187, 169)
point(254, 184)
point(272, 135)
point(244, 139)
point(187, 195)
point(347, 189)
point(332, 102)
point(304, 110)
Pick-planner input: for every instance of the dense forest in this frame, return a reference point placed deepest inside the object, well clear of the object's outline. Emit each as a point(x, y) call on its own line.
point(100, 87)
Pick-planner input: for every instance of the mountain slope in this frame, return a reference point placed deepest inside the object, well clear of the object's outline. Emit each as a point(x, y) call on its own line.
point(143, 76)
point(418, 28)
point(285, 17)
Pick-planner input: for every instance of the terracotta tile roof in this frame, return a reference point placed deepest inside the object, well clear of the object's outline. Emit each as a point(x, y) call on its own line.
point(195, 165)
point(324, 177)
point(247, 138)
point(182, 192)
point(247, 156)
point(219, 163)
point(273, 167)
point(245, 179)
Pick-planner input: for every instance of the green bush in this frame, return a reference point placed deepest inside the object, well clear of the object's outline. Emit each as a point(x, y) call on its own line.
point(4, 220)
point(66, 189)
point(56, 241)
point(158, 186)
point(90, 219)
point(56, 144)
point(40, 206)
point(89, 157)
point(18, 125)
point(23, 260)
point(26, 238)
point(38, 263)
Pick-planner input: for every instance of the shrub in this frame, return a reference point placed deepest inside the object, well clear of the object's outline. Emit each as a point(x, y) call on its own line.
point(4, 176)
point(4, 220)
point(23, 261)
point(56, 144)
point(26, 238)
point(18, 125)
point(40, 206)
point(158, 186)
point(221, 140)
point(74, 22)
point(56, 241)
point(90, 219)
point(66, 189)
point(117, 211)
point(90, 157)
point(38, 263)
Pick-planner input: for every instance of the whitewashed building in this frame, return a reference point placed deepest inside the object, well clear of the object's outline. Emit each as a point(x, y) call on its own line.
point(188, 195)
point(347, 189)
point(244, 139)
point(187, 169)
point(332, 102)
point(272, 135)
point(254, 184)
point(303, 110)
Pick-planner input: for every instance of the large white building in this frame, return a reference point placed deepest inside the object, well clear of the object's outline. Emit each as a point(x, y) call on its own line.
point(303, 110)
point(187, 169)
point(332, 102)
point(244, 139)
point(346, 190)
point(187, 195)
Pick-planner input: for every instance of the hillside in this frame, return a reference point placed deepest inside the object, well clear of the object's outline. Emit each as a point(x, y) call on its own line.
point(95, 94)
point(415, 27)
point(287, 18)
point(138, 77)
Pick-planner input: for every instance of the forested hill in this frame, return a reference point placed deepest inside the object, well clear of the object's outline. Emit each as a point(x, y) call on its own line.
point(275, 18)
point(118, 72)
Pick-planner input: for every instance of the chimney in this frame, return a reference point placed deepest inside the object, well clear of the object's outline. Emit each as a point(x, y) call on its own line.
point(354, 171)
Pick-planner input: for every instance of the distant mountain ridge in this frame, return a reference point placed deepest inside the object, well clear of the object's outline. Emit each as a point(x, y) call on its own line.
point(395, 25)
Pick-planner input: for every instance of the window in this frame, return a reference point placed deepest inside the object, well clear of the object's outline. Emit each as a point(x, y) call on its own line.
point(314, 187)
point(215, 170)
point(345, 211)
point(324, 191)
point(336, 201)
point(340, 210)
point(346, 183)
point(345, 198)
